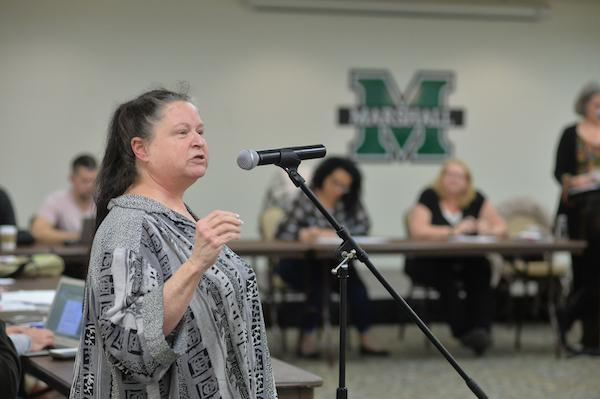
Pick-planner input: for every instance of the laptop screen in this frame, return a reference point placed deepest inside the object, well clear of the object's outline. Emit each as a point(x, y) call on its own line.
point(66, 312)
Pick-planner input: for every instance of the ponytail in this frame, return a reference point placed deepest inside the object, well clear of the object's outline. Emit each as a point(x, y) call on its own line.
point(135, 118)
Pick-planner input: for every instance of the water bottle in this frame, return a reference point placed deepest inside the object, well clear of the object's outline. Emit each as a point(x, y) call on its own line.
point(561, 229)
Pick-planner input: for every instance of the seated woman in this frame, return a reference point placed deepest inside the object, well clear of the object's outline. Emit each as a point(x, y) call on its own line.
point(452, 206)
point(337, 184)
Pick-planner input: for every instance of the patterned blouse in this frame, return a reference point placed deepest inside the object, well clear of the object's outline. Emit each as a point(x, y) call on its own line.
point(588, 157)
point(302, 213)
point(218, 349)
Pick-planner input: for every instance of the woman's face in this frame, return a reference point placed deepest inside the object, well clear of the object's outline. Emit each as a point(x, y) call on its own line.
point(336, 184)
point(178, 152)
point(592, 109)
point(454, 180)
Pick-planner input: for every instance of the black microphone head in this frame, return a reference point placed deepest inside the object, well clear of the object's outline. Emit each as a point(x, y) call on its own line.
point(248, 159)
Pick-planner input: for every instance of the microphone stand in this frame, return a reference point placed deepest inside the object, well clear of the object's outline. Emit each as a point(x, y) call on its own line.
point(349, 249)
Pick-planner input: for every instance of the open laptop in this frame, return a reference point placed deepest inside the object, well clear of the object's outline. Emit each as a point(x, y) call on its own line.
point(88, 229)
point(65, 318)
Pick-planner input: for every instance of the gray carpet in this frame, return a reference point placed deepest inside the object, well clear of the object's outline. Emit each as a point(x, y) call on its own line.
point(416, 371)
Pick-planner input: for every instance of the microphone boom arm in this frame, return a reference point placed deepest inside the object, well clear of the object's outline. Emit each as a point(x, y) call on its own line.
point(289, 162)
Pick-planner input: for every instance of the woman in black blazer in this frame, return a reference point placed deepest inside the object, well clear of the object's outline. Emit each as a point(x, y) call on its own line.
point(577, 170)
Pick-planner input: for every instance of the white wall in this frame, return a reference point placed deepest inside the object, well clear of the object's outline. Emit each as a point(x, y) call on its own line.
point(264, 80)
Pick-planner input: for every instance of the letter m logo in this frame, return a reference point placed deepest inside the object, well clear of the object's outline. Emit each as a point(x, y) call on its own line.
point(403, 126)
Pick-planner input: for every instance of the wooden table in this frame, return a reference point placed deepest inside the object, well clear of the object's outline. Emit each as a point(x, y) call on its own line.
point(291, 382)
point(256, 248)
point(69, 252)
point(513, 248)
point(390, 247)
point(408, 247)
point(37, 283)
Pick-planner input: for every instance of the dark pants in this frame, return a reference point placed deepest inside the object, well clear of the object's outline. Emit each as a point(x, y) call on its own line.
point(583, 301)
point(450, 276)
point(311, 277)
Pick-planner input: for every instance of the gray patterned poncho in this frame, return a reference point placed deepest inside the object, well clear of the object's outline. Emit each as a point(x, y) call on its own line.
point(218, 349)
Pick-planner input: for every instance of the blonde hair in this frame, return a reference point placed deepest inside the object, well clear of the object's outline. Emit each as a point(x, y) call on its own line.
point(469, 194)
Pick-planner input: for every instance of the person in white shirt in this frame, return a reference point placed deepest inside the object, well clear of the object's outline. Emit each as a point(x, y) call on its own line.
point(60, 217)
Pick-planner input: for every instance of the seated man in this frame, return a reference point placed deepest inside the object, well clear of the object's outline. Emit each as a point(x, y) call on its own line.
point(60, 218)
point(10, 366)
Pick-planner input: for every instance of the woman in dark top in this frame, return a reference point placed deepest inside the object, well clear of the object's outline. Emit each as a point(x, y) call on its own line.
point(7, 216)
point(577, 170)
point(337, 184)
point(7, 213)
point(452, 207)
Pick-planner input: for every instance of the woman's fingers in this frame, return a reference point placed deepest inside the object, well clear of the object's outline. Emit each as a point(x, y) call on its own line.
point(212, 232)
point(216, 217)
point(226, 227)
point(230, 237)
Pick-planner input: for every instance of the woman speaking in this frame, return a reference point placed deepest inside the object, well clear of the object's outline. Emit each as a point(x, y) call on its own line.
point(170, 311)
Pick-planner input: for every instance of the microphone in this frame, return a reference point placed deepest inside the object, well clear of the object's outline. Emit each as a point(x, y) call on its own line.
point(249, 159)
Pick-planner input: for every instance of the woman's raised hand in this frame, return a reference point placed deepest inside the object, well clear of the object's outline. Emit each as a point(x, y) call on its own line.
point(212, 233)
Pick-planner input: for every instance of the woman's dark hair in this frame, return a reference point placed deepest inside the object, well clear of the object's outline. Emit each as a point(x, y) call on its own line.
point(351, 199)
point(134, 118)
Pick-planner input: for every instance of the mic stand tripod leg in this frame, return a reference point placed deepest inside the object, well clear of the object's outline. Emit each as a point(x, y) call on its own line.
point(341, 272)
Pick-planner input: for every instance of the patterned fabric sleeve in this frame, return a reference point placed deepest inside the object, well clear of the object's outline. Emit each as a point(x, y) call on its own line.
point(129, 305)
point(294, 220)
point(359, 223)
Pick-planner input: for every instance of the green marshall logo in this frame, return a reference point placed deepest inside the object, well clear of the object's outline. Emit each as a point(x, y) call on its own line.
point(391, 125)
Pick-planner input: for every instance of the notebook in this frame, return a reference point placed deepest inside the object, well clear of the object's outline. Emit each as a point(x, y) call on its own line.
point(65, 318)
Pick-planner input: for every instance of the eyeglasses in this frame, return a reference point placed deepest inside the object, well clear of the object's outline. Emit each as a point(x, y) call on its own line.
point(456, 175)
point(345, 189)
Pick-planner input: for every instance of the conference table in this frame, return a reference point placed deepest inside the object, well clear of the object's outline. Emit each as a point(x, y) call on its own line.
point(391, 246)
point(385, 246)
point(291, 382)
point(77, 252)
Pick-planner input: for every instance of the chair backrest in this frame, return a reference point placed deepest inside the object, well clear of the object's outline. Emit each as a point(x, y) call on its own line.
point(521, 213)
point(269, 222)
point(406, 220)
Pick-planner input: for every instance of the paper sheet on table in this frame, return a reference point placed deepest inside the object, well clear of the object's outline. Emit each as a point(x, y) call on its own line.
point(29, 297)
point(479, 239)
point(584, 189)
point(17, 307)
point(362, 240)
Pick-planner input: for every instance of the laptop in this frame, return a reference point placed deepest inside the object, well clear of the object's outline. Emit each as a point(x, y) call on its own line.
point(65, 318)
point(87, 231)
point(86, 237)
